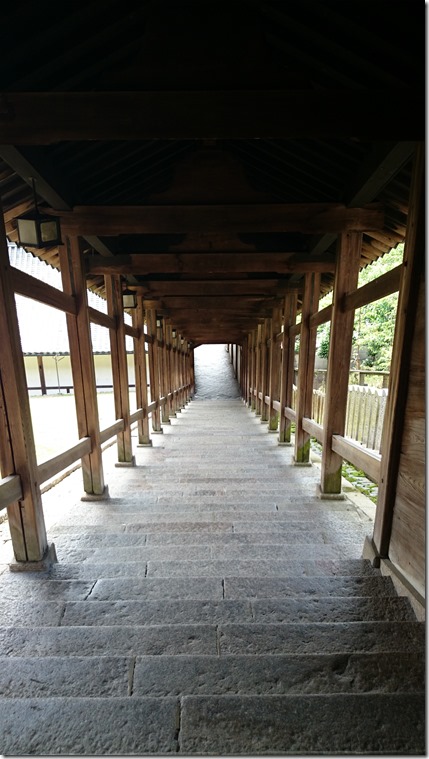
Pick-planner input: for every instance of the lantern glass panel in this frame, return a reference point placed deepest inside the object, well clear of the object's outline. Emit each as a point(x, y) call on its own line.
point(27, 232)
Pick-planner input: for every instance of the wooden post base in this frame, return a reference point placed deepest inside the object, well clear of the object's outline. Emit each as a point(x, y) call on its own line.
point(49, 558)
point(96, 496)
point(125, 464)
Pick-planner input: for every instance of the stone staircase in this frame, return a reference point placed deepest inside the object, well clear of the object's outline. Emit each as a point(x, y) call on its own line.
point(212, 606)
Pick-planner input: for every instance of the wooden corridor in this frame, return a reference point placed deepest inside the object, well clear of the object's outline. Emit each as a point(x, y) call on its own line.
point(212, 605)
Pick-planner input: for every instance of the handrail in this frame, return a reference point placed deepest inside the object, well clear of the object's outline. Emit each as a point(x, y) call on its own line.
point(62, 460)
point(10, 490)
point(111, 431)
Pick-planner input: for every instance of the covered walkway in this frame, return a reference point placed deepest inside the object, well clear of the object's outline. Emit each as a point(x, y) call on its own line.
point(212, 605)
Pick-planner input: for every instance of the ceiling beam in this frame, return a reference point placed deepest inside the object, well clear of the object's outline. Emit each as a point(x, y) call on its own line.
point(41, 118)
point(308, 218)
point(206, 263)
point(208, 287)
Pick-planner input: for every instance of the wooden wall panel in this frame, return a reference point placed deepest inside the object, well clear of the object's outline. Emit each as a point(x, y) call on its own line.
point(407, 543)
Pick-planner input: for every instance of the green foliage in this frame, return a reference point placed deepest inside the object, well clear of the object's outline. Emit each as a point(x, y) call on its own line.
point(323, 350)
point(374, 324)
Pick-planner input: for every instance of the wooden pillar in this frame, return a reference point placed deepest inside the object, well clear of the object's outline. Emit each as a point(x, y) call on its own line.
point(170, 369)
point(140, 369)
point(163, 369)
point(119, 369)
point(82, 364)
point(340, 345)
point(41, 374)
point(153, 365)
point(175, 372)
point(307, 352)
point(17, 451)
point(411, 276)
point(287, 368)
point(258, 374)
point(264, 368)
point(274, 369)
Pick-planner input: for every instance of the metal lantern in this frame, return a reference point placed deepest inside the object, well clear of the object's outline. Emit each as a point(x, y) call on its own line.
point(37, 230)
point(129, 299)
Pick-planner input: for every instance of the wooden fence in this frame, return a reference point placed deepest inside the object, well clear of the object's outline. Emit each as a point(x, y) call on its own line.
point(365, 414)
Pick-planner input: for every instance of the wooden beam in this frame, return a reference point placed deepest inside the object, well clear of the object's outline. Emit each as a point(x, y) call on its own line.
point(31, 287)
point(119, 368)
point(41, 118)
point(385, 285)
point(209, 287)
point(287, 369)
point(103, 320)
point(58, 463)
point(178, 219)
point(10, 490)
point(337, 378)
point(17, 450)
point(82, 364)
point(367, 461)
point(207, 263)
point(412, 276)
point(140, 371)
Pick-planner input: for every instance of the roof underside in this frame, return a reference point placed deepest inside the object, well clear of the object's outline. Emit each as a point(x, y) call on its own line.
point(213, 107)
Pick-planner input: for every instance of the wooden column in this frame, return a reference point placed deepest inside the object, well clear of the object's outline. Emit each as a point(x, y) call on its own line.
point(411, 276)
point(153, 364)
point(287, 369)
point(258, 373)
point(307, 352)
point(170, 369)
point(274, 369)
point(119, 369)
point(264, 368)
point(17, 450)
point(175, 372)
point(141, 373)
point(82, 365)
point(41, 374)
point(163, 369)
point(340, 345)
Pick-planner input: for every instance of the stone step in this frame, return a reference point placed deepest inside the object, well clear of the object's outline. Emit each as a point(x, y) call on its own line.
point(223, 725)
point(256, 568)
point(226, 639)
point(279, 610)
point(332, 724)
point(169, 676)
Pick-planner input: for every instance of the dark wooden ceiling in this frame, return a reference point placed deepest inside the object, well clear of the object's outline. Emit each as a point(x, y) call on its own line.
point(247, 131)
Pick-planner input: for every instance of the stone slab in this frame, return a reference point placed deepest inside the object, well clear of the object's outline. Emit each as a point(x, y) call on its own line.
point(42, 588)
point(336, 724)
point(280, 587)
point(275, 675)
point(57, 676)
point(149, 553)
point(322, 609)
point(313, 638)
point(17, 612)
point(206, 528)
point(157, 588)
point(106, 640)
point(156, 612)
point(88, 726)
point(257, 568)
point(91, 572)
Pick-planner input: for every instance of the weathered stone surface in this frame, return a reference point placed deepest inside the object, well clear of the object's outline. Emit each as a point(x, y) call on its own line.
point(356, 724)
point(149, 553)
point(313, 638)
point(154, 527)
point(280, 587)
point(58, 676)
point(83, 726)
point(332, 610)
point(86, 570)
point(40, 587)
point(156, 612)
point(105, 640)
point(32, 613)
point(257, 568)
point(157, 588)
point(277, 675)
